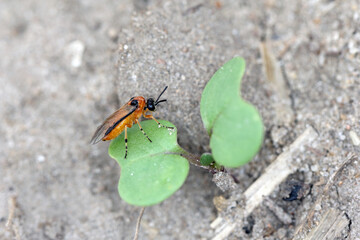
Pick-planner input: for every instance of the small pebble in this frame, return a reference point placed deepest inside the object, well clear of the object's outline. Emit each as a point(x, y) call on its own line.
point(354, 138)
point(75, 51)
point(40, 158)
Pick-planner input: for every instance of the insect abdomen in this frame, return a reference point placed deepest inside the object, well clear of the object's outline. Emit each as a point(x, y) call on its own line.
point(118, 129)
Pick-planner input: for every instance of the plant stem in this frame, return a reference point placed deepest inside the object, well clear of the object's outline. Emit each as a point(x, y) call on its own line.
point(138, 223)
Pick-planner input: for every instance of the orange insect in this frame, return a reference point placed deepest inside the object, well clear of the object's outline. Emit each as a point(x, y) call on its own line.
point(125, 117)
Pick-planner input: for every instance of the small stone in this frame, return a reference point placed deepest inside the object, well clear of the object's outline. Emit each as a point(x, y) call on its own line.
point(278, 134)
point(317, 207)
point(314, 168)
point(224, 181)
point(75, 51)
point(112, 33)
point(40, 158)
point(354, 138)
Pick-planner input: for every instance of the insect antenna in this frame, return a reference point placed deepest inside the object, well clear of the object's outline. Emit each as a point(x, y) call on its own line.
point(163, 100)
point(157, 100)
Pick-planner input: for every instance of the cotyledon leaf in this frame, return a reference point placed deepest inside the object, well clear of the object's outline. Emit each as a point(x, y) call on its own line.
point(237, 134)
point(234, 125)
point(152, 171)
point(222, 88)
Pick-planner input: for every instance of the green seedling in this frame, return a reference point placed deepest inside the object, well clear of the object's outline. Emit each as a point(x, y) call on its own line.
point(234, 125)
point(153, 171)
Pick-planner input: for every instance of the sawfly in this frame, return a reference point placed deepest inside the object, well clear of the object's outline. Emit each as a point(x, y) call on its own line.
point(125, 117)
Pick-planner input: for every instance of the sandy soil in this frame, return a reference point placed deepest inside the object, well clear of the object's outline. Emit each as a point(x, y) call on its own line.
point(65, 65)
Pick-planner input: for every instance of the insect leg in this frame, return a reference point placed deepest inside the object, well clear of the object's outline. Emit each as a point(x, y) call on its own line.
point(160, 125)
point(142, 130)
point(126, 147)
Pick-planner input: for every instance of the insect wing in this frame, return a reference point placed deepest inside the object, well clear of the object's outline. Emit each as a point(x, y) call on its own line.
point(111, 122)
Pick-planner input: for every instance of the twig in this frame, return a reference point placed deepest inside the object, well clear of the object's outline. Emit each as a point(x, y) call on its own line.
point(272, 69)
point(12, 205)
point(138, 223)
point(216, 222)
point(227, 229)
point(288, 44)
point(9, 223)
point(330, 226)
